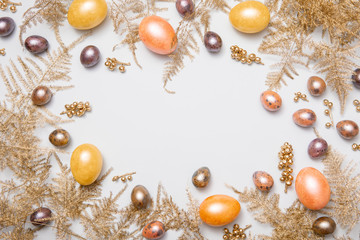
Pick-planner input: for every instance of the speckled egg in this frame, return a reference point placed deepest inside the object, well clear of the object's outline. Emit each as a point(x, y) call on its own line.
point(41, 95)
point(316, 86)
point(185, 7)
point(36, 44)
point(347, 129)
point(154, 230)
point(304, 117)
point(201, 177)
point(59, 138)
point(312, 188)
point(40, 216)
point(271, 100)
point(87, 14)
point(212, 41)
point(157, 35)
point(140, 197)
point(323, 226)
point(317, 148)
point(219, 210)
point(263, 181)
point(249, 16)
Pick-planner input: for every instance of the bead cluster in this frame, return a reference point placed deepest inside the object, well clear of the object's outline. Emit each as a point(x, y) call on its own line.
point(76, 109)
point(286, 160)
point(5, 3)
point(357, 105)
point(240, 54)
point(112, 63)
point(355, 147)
point(124, 177)
point(2, 51)
point(301, 96)
point(328, 113)
point(237, 233)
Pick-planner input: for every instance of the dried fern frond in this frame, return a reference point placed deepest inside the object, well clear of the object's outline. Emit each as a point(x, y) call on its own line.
point(345, 188)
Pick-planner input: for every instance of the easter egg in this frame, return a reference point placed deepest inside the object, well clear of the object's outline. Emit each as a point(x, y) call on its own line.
point(59, 138)
point(86, 164)
point(219, 210)
point(157, 35)
point(317, 148)
point(40, 217)
point(250, 16)
point(270, 100)
point(312, 188)
point(41, 95)
point(316, 86)
point(140, 197)
point(304, 117)
point(87, 14)
point(36, 44)
point(323, 226)
point(154, 230)
point(201, 177)
point(7, 26)
point(347, 129)
point(263, 181)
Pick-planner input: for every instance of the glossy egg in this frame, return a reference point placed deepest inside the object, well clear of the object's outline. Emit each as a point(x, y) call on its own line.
point(201, 177)
point(86, 164)
point(185, 7)
point(87, 14)
point(347, 129)
point(7, 26)
point(140, 197)
point(41, 95)
point(317, 148)
point(36, 44)
point(90, 56)
point(271, 100)
point(356, 78)
point(263, 181)
point(323, 226)
point(312, 188)
point(219, 210)
point(304, 117)
point(212, 41)
point(158, 35)
point(40, 216)
point(154, 230)
point(250, 16)
point(316, 86)
point(59, 138)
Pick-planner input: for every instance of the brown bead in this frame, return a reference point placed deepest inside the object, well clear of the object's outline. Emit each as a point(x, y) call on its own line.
point(201, 177)
point(347, 129)
point(40, 216)
point(41, 95)
point(59, 138)
point(304, 117)
point(154, 230)
point(263, 181)
point(323, 226)
point(316, 86)
point(140, 197)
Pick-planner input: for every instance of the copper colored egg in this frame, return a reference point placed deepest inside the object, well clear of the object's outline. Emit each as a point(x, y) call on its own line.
point(154, 230)
point(41, 95)
point(270, 100)
point(263, 181)
point(41, 216)
point(157, 35)
point(316, 86)
point(59, 137)
point(312, 188)
point(317, 148)
point(201, 177)
point(304, 117)
point(219, 210)
point(347, 129)
point(323, 226)
point(140, 197)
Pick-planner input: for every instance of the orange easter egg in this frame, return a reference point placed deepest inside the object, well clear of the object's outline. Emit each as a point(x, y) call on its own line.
point(158, 35)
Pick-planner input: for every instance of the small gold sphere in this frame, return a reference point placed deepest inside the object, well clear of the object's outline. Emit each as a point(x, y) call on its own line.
point(327, 111)
point(354, 146)
point(232, 48)
point(107, 63)
point(290, 170)
point(326, 102)
point(122, 68)
point(243, 236)
point(356, 102)
point(258, 60)
point(225, 237)
point(303, 96)
point(290, 177)
point(330, 104)
point(298, 94)
point(252, 57)
point(123, 179)
point(249, 62)
point(358, 108)
point(296, 99)
point(244, 52)
point(288, 183)
point(236, 226)
point(129, 177)
point(13, 8)
point(328, 125)
point(282, 179)
point(243, 60)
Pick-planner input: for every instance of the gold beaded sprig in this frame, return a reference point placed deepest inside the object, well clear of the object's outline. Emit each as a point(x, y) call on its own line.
point(237, 233)
point(328, 112)
point(301, 96)
point(240, 54)
point(112, 63)
point(286, 160)
point(355, 147)
point(76, 109)
point(357, 105)
point(5, 3)
point(2, 51)
point(124, 177)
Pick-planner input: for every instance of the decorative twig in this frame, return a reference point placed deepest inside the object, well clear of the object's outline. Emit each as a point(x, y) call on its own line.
point(328, 112)
point(123, 177)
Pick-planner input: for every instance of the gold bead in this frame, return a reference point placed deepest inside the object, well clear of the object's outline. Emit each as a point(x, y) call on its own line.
point(249, 61)
point(243, 60)
point(290, 170)
point(236, 232)
point(252, 57)
point(290, 177)
point(258, 60)
point(358, 108)
point(356, 102)
point(13, 8)
point(282, 179)
point(225, 237)
point(296, 99)
point(226, 230)
point(354, 146)
point(298, 94)
point(327, 111)
point(244, 52)
point(326, 102)
point(328, 125)
point(122, 68)
point(107, 63)
point(288, 183)
point(241, 230)
point(69, 114)
point(129, 177)
point(330, 104)
point(123, 179)
point(303, 96)
point(236, 226)
point(236, 49)
point(232, 48)
point(233, 56)
point(243, 236)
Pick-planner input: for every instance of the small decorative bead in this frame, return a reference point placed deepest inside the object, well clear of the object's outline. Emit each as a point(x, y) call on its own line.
point(76, 109)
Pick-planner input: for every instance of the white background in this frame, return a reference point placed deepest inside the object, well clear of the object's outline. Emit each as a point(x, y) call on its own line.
point(215, 119)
